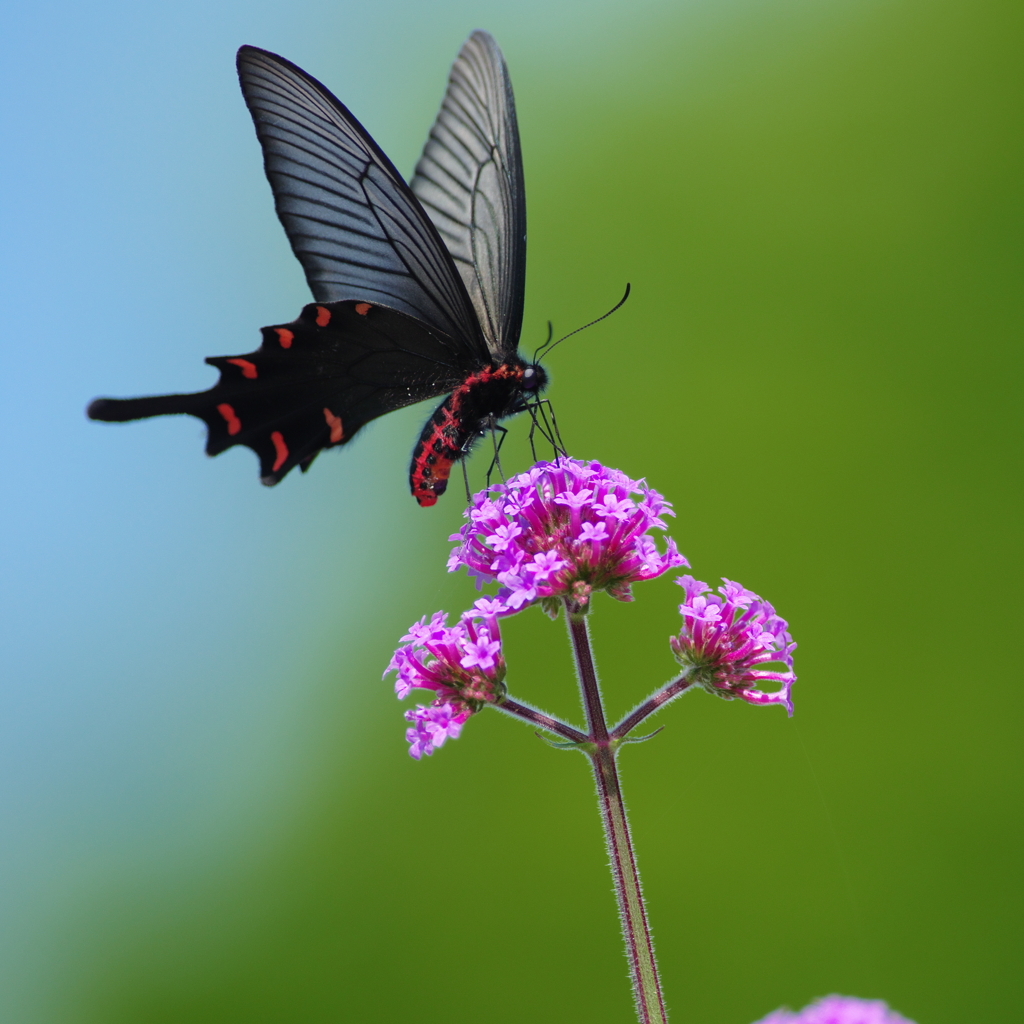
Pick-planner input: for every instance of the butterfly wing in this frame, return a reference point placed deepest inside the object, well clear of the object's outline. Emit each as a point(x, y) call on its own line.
point(312, 384)
point(470, 181)
point(353, 223)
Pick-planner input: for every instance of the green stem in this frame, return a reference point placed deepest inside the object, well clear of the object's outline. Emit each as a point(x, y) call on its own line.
point(602, 750)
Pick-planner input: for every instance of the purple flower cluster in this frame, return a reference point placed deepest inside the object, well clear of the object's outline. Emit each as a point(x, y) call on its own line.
point(838, 1010)
point(462, 664)
point(724, 639)
point(564, 529)
point(432, 726)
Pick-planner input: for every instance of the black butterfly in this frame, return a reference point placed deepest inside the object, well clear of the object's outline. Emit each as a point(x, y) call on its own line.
point(418, 288)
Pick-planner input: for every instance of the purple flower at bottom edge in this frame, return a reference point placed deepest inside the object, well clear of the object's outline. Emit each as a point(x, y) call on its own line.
point(839, 1010)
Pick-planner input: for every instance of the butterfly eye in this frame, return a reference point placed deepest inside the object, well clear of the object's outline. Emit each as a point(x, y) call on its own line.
point(534, 379)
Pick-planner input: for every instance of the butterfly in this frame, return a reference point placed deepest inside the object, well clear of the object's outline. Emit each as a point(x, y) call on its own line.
point(418, 287)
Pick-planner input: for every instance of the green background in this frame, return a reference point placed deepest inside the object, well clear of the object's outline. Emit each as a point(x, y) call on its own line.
point(819, 208)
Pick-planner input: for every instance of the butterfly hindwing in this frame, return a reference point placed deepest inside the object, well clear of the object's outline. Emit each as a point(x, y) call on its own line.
point(312, 384)
point(470, 181)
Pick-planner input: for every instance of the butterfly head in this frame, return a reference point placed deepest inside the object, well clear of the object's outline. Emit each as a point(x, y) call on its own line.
point(535, 379)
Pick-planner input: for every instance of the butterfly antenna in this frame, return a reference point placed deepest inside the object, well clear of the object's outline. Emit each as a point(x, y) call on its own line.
point(547, 341)
point(546, 348)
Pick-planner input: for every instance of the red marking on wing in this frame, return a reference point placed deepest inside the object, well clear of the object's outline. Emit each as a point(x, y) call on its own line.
point(233, 422)
point(248, 369)
point(323, 316)
point(362, 308)
point(281, 448)
point(334, 422)
point(284, 336)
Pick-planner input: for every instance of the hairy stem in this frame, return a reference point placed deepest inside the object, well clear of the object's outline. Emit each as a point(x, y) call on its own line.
point(539, 718)
point(601, 749)
point(653, 703)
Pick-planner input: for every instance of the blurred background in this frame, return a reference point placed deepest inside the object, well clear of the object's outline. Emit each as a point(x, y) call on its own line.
point(209, 813)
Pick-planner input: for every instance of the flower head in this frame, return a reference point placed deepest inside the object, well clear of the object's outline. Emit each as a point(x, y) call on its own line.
point(838, 1010)
point(462, 664)
point(564, 529)
point(724, 639)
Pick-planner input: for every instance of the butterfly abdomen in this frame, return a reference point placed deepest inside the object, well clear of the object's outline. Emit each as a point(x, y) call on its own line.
point(449, 434)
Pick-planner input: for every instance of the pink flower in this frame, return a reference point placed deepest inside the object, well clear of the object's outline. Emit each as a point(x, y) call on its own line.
point(462, 664)
point(724, 639)
point(564, 529)
point(592, 532)
point(432, 726)
point(838, 1010)
point(481, 654)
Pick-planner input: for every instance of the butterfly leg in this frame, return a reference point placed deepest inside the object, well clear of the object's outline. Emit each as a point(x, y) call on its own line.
point(539, 413)
point(465, 477)
point(533, 430)
point(496, 461)
point(539, 423)
point(557, 443)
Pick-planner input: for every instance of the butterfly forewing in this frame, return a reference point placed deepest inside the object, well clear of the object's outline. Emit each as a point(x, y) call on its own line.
point(470, 180)
point(352, 221)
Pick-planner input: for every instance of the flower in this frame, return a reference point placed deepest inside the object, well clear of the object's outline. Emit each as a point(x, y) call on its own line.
point(432, 726)
point(563, 529)
point(462, 664)
point(838, 1010)
point(723, 639)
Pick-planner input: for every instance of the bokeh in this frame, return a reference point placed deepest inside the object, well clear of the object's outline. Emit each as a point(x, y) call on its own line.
point(209, 811)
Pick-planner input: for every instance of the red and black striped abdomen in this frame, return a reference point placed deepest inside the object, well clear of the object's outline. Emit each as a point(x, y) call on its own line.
point(493, 392)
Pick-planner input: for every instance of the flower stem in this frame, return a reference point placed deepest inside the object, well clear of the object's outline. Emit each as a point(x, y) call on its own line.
point(650, 1006)
point(653, 703)
point(535, 717)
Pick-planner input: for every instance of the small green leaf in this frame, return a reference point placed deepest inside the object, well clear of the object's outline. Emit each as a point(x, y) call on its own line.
point(584, 745)
point(640, 739)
